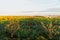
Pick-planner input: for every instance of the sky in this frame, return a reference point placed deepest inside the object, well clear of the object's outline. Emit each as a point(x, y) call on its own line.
point(16, 6)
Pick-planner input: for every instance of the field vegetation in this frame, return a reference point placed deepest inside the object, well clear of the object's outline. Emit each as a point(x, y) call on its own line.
point(29, 28)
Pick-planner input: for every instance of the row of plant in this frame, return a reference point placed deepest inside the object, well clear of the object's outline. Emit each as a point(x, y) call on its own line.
point(30, 29)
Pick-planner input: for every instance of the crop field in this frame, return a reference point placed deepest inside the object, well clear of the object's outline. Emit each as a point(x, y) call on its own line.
point(29, 28)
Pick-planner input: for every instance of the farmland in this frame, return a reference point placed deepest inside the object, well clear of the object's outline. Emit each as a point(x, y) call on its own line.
point(29, 28)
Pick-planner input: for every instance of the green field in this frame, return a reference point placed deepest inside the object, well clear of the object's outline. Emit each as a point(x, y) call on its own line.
point(38, 28)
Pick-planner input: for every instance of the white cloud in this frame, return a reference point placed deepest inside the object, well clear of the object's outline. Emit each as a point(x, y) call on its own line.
point(10, 7)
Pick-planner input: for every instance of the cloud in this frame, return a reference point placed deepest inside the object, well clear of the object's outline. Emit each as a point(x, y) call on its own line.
point(53, 10)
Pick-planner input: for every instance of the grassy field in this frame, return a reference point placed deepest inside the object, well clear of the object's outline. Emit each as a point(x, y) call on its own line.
point(29, 28)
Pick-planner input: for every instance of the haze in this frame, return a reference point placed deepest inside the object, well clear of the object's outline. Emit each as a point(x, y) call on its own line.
point(18, 7)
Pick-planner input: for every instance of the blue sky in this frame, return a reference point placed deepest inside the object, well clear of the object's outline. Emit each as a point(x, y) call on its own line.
point(29, 5)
